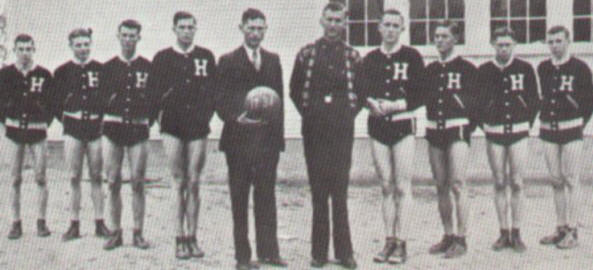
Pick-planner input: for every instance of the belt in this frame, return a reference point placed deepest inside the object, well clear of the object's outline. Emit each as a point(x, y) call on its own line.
point(446, 123)
point(82, 115)
point(111, 118)
point(400, 116)
point(15, 123)
point(507, 128)
point(562, 124)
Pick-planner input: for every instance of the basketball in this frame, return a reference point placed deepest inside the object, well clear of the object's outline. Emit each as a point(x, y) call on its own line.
point(262, 103)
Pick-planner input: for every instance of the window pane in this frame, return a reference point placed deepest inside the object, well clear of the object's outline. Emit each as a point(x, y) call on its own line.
point(418, 9)
point(582, 7)
point(456, 9)
point(582, 30)
point(418, 33)
point(375, 8)
point(356, 9)
point(374, 36)
point(356, 37)
point(518, 8)
point(498, 8)
point(520, 28)
point(537, 30)
point(461, 32)
point(537, 8)
point(431, 28)
point(437, 9)
point(495, 24)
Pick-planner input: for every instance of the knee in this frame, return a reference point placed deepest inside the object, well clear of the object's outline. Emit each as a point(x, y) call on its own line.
point(41, 181)
point(181, 185)
point(75, 181)
point(499, 186)
point(517, 184)
point(402, 188)
point(457, 186)
point(17, 182)
point(115, 187)
point(387, 188)
point(443, 189)
point(137, 186)
point(558, 184)
point(570, 181)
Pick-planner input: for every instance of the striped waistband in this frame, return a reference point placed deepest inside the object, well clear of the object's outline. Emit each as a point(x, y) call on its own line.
point(446, 123)
point(82, 115)
point(408, 115)
point(111, 118)
point(507, 128)
point(562, 124)
point(16, 123)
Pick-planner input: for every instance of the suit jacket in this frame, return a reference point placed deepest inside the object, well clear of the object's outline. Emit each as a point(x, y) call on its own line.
point(236, 76)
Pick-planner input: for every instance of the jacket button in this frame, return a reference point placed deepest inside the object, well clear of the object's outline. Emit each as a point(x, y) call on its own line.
point(506, 79)
point(442, 75)
point(388, 67)
point(552, 113)
point(553, 101)
point(128, 87)
point(84, 97)
point(128, 99)
point(440, 113)
point(506, 104)
point(441, 89)
point(24, 94)
point(84, 87)
point(387, 94)
point(506, 91)
point(508, 116)
point(440, 101)
point(129, 74)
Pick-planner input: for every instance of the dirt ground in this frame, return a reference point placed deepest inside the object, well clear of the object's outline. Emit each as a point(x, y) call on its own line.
point(294, 217)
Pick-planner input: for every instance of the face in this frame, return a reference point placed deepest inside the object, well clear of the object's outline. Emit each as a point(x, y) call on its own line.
point(185, 29)
point(558, 44)
point(391, 27)
point(444, 39)
point(24, 51)
point(334, 23)
point(504, 47)
point(254, 31)
point(128, 38)
point(81, 46)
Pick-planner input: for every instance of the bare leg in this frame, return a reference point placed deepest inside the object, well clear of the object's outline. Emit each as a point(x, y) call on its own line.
point(519, 156)
point(404, 170)
point(458, 160)
point(553, 158)
point(137, 157)
point(571, 165)
point(197, 157)
point(73, 149)
point(95, 162)
point(497, 156)
point(439, 164)
point(383, 161)
point(17, 153)
point(114, 156)
point(174, 149)
point(39, 151)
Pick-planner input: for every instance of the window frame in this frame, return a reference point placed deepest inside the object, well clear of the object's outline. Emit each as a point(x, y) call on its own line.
point(365, 21)
point(428, 20)
point(527, 18)
point(585, 16)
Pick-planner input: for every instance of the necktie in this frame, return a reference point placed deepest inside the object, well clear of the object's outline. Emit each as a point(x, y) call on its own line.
point(256, 60)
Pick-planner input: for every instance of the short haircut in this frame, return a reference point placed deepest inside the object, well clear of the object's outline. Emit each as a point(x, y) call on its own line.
point(451, 25)
point(503, 31)
point(23, 38)
point(334, 6)
point(182, 15)
point(252, 14)
point(132, 24)
point(392, 12)
point(80, 32)
point(557, 29)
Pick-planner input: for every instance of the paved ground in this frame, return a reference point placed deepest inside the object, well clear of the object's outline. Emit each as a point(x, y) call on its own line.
point(294, 207)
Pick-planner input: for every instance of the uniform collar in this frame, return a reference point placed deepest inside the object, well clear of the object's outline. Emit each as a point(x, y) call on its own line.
point(76, 61)
point(249, 51)
point(331, 43)
point(123, 59)
point(25, 71)
point(507, 64)
point(393, 50)
point(180, 50)
point(562, 61)
point(451, 57)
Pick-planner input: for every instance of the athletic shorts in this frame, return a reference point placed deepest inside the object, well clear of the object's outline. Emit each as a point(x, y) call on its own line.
point(390, 133)
point(442, 139)
point(84, 130)
point(561, 136)
point(506, 139)
point(25, 136)
point(125, 135)
point(183, 126)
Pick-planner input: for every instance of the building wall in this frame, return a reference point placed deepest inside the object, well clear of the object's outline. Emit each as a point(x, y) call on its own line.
point(292, 24)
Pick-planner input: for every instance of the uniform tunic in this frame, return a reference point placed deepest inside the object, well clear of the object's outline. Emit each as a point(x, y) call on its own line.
point(184, 87)
point(451, 101)
point(509, 100)
point(322, 88)
point(393, 76)
point(26, 103)
point(78, 99)
point(127, 105)
point(567, 103)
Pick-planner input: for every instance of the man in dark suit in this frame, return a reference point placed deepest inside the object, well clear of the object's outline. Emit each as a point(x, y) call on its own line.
point(252, 146)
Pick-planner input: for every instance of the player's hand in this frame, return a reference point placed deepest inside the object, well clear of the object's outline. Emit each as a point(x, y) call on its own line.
point(375, 108)
point(243, 119)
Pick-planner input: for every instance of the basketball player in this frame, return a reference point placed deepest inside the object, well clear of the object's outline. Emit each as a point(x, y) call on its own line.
point(79, 107)
point(450, 103)
point(125, 128)
point(510, 99)
point(184, 79)
point(25, 97)
point(567, 93)
point(393, 91)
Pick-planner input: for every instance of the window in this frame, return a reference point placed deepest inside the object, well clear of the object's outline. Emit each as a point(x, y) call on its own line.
point(583, 15)
point(526, 17)
point(425, 14)
point(363, 20)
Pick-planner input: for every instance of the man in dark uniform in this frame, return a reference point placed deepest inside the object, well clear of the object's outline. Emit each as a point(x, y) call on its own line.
point(183, 81)
point(25, 93)
point(322, 88)
point(125, 128)
point(509, 101)
point(251, 146)
point(78, 105)
point(567, 93)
